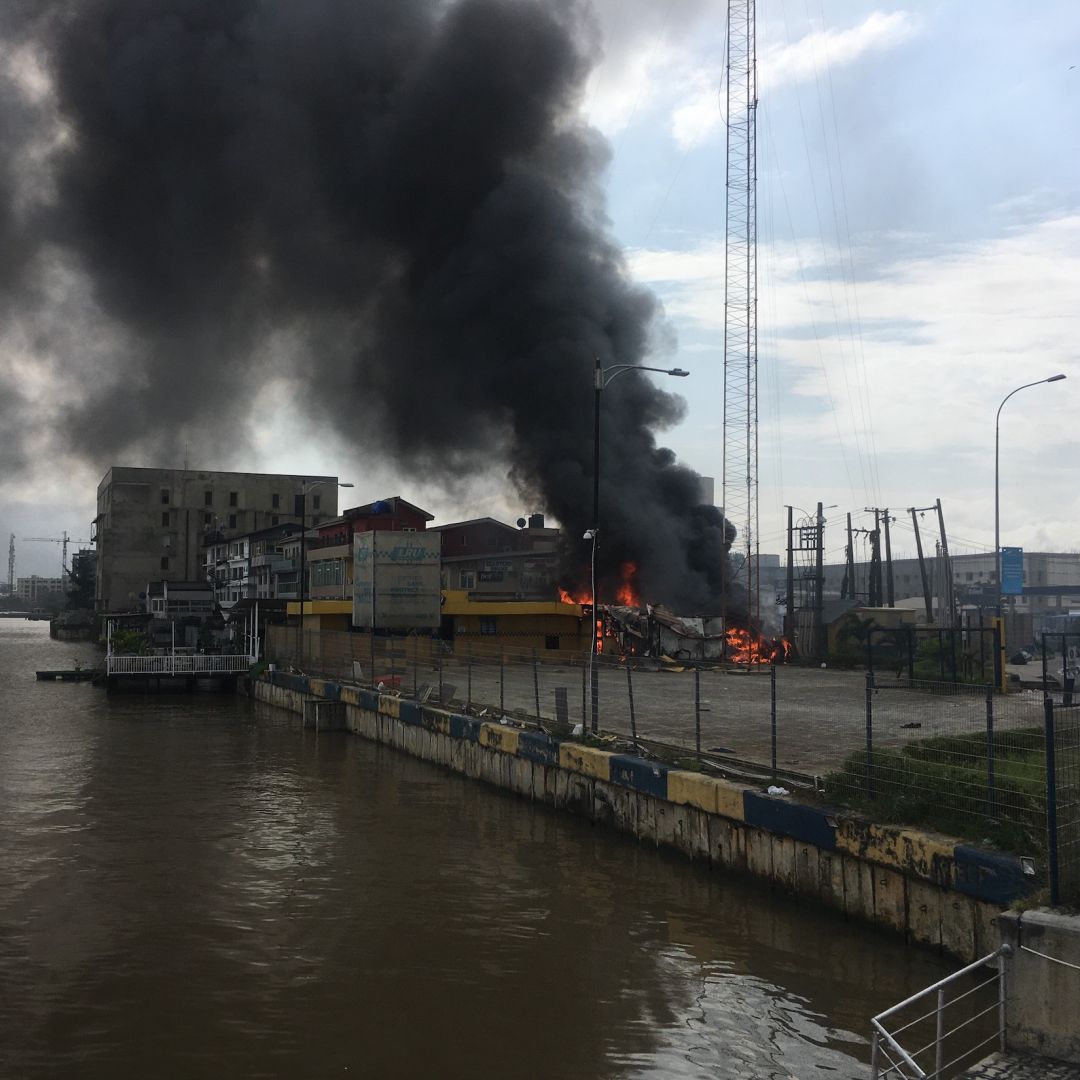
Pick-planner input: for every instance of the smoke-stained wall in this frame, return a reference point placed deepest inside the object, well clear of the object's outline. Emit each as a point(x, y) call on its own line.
point(392, 204)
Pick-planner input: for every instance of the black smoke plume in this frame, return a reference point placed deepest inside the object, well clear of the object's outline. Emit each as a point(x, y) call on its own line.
point(392, 204)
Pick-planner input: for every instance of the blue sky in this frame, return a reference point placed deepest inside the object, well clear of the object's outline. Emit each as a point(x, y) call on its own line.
point(919, 217)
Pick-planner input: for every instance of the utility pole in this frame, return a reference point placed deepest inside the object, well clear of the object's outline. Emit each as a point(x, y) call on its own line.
point(740, 406)
point(889, 584)
point(948, 591)
point(875, 562)
point(914, 512)
point(847, 590)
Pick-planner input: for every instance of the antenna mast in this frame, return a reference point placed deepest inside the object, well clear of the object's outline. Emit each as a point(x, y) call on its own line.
point(740, 464)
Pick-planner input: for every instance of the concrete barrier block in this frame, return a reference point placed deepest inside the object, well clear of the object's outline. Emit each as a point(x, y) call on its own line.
point(350, 695)
point(586, 760)
point(465, 727)
point(911, 851)
point(890, 899)
point(639, 774)
point(369, 699)
point(987, 937)
point(389, 705)
point(786, 818)
point(500, 737)
point(693, 789)
point(410, 712)
point(537, 746)
point(730, 800)
point(925, 903)
point(436, 720)
point(990, 875)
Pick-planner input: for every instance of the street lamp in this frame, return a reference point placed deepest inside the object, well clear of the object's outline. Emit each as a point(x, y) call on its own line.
point(602, 379)
point(307, 486)
point(997, 489)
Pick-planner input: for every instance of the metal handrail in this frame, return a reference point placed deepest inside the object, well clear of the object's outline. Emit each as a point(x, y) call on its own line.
point(885, 1044)
point(178, 664)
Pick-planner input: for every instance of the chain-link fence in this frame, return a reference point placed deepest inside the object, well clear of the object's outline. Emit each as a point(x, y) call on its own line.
point(955, 757)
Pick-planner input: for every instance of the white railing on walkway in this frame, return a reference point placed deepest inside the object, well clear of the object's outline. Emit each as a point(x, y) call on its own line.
point(959, 1035)
point(178, 664)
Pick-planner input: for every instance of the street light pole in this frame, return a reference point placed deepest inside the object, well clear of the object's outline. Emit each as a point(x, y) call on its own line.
point(997, 488)
point(304, 489)
point(602, 378)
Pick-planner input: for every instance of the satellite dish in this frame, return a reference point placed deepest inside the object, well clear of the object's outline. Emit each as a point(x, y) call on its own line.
point(521, 523)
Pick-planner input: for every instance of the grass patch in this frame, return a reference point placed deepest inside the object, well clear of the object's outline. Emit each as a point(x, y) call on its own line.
point(942, 783)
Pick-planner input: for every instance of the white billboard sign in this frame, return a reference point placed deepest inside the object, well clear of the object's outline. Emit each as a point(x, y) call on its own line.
point(396, 580)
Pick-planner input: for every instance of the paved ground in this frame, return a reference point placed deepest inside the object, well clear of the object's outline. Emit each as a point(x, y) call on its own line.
point(820, 714)
point(1021, 1067)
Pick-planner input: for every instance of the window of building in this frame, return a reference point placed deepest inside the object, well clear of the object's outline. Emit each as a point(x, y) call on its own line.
point(487, 625)
point(234, 498)
point(208, 519)
point(165, 517)
point(466, 579)
point(316, 502)
point(232, 521)
point(208, 498)
point(273, 519)
point(164, 562)
point(407, 528)
point(275, 501)
point(164, 497)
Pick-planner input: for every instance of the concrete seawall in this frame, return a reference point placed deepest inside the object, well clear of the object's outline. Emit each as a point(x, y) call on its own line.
point(935, 890)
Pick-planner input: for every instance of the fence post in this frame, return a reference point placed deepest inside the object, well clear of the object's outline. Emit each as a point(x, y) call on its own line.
point(371, 672)
point(869, 735)
point(415, 666)
point(772, 714)
point(595, 696)
point(991, 795)
point(697, 709)
point(440, 673)
point(1051, 800)
point(502, 676)
point(630, 694)
point(536, 685)
point(468, 692)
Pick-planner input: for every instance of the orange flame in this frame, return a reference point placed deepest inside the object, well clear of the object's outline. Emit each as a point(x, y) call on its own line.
point(569, 598)
point(626, 593)
point(748, 647)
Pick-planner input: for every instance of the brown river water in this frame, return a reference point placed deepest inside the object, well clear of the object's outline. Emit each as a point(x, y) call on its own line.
point(192, 886)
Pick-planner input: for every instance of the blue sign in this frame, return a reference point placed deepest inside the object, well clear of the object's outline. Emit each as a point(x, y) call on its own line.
point(1012, 571)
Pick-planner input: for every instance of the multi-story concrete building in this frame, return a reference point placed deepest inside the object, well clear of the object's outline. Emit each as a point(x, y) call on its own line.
point(156, 524)
point(33, 589)
point(255, 566)
point(490, 560)
point(329, 548)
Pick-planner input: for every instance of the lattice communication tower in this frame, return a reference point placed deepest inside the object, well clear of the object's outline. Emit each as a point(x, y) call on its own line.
point(740, 462)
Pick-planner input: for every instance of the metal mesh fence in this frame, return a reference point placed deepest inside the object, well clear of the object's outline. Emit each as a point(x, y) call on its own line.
point(959, 758)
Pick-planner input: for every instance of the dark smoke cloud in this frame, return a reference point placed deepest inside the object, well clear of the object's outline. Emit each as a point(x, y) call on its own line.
point(400, 190)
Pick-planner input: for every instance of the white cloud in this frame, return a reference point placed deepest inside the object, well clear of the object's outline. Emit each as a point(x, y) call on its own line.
point(945, 336)
point(699, 112)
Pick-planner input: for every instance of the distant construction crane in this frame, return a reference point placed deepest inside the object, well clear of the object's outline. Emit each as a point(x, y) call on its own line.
point(740, 462)
point(63, 540)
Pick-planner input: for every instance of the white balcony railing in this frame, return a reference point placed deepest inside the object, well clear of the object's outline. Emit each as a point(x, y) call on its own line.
point(178, 664)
